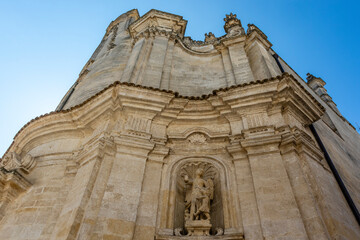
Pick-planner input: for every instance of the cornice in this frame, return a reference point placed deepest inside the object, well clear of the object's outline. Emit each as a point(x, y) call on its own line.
point(298, 141)
point(166, 94)
point(256, 36)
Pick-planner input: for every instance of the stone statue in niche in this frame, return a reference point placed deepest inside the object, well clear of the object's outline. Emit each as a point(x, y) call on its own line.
point(197, 204)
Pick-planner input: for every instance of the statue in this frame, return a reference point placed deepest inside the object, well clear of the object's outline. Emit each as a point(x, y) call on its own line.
point(197, 204)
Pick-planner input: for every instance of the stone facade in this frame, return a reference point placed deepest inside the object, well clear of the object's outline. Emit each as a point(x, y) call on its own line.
point(164, 137)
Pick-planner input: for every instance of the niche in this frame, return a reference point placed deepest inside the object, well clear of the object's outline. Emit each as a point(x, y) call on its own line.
point(198, 200)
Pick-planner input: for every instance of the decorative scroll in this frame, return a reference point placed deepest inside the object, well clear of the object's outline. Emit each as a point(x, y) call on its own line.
point(12, 161)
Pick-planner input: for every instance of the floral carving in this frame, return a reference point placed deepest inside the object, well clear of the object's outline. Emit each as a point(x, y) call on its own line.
point(197, 138)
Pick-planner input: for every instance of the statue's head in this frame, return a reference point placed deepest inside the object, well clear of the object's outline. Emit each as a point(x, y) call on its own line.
point(199, 172)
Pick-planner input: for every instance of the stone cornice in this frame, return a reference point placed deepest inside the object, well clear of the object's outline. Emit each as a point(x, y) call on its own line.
point(66, 117)
point(255, 34)
point(284, 90)
point(96, 147)
point(156, 23)
point(296, 140)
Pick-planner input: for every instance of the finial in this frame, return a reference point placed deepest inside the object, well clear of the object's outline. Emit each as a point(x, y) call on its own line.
point(309, 76)
point(209, 37)
point(233, 24)
point(311, 80)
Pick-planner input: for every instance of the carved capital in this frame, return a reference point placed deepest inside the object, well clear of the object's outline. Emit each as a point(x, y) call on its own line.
point(95, 147)
point(163, 22)
point(152, 32)
point(298, 141)
point(12, 162)
point(261, 140)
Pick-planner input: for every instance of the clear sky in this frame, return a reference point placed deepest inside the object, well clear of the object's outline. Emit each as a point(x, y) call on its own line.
point(45, 44)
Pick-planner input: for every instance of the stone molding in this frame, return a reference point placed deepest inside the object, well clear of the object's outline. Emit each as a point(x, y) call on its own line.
point(297, 140)
point(12, 184)
point(152, 32)
point(152, 24)
point(11, 162)
point(137, 122)
point(160, 20)
point(252, 28)
point(233, 96)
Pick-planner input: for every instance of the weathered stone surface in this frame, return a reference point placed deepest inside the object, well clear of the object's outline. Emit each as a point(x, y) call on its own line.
point(121, 157)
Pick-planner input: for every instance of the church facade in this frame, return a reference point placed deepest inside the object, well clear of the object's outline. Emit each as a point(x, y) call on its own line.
point(163, 137)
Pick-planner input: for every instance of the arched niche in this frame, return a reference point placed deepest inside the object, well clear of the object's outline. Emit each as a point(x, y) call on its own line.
point(182, 189)
point(226, 199)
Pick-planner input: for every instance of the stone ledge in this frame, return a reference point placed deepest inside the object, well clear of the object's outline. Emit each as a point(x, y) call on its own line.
point(223, 237)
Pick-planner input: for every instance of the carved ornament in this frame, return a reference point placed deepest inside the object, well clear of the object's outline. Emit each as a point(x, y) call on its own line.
point(233, 25)
point(253, 28)
point(197, 138)
point(12, 161)
point(210, 37)
point(198, 178)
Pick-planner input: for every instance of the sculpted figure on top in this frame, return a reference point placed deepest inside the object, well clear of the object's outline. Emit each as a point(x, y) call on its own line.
point(233, 25)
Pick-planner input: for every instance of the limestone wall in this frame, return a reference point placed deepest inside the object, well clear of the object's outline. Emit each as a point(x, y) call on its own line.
point(340, 139)
point(109, 169)
point(113, 165)
point(151, 51)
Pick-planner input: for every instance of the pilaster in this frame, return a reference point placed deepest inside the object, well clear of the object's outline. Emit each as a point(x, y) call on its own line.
point(89, 159)
point(166, 72)
point(136, 53)
point(155, 65)
point(12, 180)
point(249, 211)
point(148, 206)
point(263, 65)
point(239, 60)
point(293, 141)
point(228, 68)
point(119, 207)
point(279, 214)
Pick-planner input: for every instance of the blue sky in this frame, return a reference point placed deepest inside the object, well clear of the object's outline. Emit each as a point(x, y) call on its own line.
point(45, 44)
